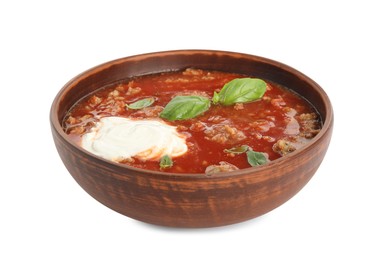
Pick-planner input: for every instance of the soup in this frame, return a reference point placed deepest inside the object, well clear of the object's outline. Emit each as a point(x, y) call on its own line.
point(192, 121)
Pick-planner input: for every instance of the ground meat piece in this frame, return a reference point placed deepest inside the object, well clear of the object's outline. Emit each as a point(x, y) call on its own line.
point(197, 74)
point(72, 120)
point(148, 112)
point(208, 77)
point(268, 87)
point(120, 88)
point(197, 127)
point(127, 160)
point(222, 167)
point(268, 138)
point(85, 117)
point(224, 134)
point(310, 125)
point(192, 93)
point(193, 72)
point(278, 102)
point(217, 119)
point(95, 100)
point(307, 116)
point(132, 90)
point(181, 128)
point(290, 112)
point(262, 125)
point(238, 106)
point(118, 107)
point(114, 93)
point(283, 147)
point(76, 130)
point(175, 80)
point(107, 103)
point(257, 135)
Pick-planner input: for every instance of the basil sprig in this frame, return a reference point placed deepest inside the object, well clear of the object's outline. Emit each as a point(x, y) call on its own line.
point(166, 162)
point(240, 90)
point(256, 158)
point(185, 107)
point(142, 103)
point(253, 158)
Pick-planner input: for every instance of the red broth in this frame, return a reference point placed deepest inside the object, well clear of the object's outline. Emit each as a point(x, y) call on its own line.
point(277, 124)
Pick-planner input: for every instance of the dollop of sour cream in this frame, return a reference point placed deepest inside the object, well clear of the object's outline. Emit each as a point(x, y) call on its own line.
point(118, 138)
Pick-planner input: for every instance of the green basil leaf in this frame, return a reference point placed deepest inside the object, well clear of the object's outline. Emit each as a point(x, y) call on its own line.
point(141, 103)
point(166, 162)
point(185, 107)
point(237, 150)
point(240, 90)
point(215, 98)
point(256, 158)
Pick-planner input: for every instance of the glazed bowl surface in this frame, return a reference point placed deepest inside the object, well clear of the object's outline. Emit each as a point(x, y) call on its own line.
point(191, 200)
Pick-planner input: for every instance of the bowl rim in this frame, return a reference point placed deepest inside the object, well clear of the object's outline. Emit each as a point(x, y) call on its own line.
point(327, 124)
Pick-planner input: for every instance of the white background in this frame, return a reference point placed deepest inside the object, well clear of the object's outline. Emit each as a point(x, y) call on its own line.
point(46, 215)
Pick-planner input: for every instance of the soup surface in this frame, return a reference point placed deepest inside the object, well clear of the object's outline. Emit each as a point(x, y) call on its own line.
point(127, 122)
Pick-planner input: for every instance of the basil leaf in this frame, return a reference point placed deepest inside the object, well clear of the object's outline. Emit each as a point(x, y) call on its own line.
point(166, 162)
point(240, 90)
point(256, 158)
point(237, 150)
point(141, 103)
point(185, 107)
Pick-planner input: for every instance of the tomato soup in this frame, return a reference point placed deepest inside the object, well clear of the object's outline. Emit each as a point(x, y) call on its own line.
point(192, 121)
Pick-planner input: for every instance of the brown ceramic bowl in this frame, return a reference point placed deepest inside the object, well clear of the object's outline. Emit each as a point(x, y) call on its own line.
point(191, 200)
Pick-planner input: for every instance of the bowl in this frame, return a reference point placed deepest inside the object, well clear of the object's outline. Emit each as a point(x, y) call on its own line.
point(191, 200)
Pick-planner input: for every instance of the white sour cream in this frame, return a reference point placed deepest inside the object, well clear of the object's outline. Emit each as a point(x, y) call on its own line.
point(118, 138)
